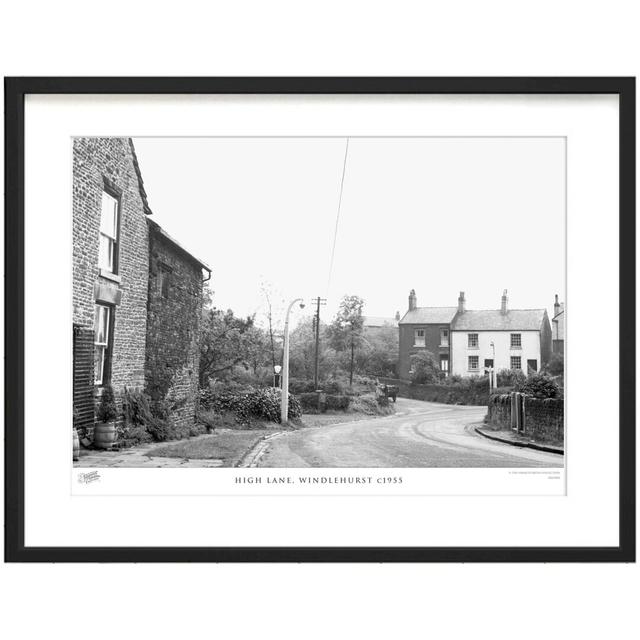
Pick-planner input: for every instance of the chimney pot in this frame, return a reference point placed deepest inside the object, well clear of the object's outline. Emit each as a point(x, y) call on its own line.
point(413, 300)
point(503, 308)
point(461, 302)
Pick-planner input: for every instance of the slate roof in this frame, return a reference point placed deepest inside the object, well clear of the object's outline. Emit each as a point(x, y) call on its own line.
point(136, 166)
point(429, 315)
point(379, 321)
point(155, 227)
point(495, 320)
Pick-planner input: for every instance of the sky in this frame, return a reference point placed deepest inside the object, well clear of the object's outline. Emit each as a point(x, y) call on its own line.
point(438, 215)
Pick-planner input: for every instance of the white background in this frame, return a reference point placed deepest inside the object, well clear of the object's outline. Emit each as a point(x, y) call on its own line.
point(587, 516)
point(332, 38)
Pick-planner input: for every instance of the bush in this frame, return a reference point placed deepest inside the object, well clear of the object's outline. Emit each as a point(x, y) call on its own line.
point(107, 410)
point(369, 405)
point(308, 402)
point(424, 368)
point(539, 385)
point(338, 403)
point(556, 365)
point(263, 404)
point(510, 377)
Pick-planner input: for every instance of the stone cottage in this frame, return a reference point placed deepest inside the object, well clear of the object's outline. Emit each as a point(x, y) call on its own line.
point(137, 294)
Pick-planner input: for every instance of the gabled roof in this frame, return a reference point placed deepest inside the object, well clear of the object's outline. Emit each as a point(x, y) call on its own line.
point(136, 166)
point(429, 315)
point(379, 321)
point(156, 228)
point(495, 320)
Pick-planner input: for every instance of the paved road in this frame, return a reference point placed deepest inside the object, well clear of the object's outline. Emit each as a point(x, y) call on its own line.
point(421, 434)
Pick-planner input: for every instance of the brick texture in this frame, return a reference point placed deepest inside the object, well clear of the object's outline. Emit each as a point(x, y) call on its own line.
point(98, 162)
point(173, 327)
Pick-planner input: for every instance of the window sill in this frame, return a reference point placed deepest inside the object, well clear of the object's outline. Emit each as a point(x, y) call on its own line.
point(473, 370)
point(419, 346)
point(104, 273)
point(515, 348)
point(473, 348)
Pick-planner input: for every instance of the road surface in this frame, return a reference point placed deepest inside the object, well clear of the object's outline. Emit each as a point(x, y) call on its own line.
point(420, 434)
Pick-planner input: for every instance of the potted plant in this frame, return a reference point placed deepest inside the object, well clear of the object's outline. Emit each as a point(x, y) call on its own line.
point(76, 439)
point(104, 432)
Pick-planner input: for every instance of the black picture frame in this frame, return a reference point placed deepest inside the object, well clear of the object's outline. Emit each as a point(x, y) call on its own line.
point(15, 91)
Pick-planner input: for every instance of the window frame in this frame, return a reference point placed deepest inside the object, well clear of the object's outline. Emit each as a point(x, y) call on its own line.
point(444, 342)
point(106, 346)
point(469, 341)
point(477, 359)
point(519, 340)
point(512, 358)
point(114, 241)
point(415, 338)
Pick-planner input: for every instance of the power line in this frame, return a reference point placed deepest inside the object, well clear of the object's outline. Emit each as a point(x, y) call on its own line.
point(335, 232)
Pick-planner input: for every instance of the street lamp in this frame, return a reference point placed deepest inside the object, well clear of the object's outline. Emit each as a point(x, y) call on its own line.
point(492, 371)
point(284, 402)
point(276, 375)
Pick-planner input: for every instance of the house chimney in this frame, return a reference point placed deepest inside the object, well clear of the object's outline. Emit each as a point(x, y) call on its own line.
point(397, 315)
point(461, 302)
point(503, 309)
point(413, 301)
point(556, 307)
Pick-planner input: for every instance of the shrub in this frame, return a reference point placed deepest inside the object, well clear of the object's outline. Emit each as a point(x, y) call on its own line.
point(308, 402)
point(556, 365)
point(338, 403)
point(539, 385)
point(107, 410)
point(510, 377)
point(263, 403)
point(424, 368)
point(383, 401)
point(298, 386)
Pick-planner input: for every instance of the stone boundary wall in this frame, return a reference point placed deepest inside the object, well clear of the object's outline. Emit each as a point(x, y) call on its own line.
point(543, 418)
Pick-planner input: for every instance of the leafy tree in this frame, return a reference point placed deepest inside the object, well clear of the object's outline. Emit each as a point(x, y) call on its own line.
point(302, 352)
point(225, 341)
point(379, 353)
point(346, 330)
point(556, 365)
point(424, 368)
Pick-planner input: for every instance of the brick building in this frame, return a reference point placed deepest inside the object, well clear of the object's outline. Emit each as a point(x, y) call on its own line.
point(468, 342)
point(121, 324)
point(424, 329)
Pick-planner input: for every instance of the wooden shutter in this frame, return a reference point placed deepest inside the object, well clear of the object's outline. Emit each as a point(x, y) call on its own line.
point(83, 377)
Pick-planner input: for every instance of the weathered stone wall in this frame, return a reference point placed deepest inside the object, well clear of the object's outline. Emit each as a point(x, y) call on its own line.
point(111, 163)
point(543, 418)
point(173, 327)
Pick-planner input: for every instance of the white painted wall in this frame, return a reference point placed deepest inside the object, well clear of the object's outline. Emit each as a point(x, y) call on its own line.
point(502, 340)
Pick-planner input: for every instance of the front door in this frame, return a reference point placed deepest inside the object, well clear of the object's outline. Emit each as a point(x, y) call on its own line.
point(488, 364)
point(532, 365)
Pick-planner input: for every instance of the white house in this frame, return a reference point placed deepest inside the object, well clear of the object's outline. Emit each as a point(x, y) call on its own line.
point(502, 338)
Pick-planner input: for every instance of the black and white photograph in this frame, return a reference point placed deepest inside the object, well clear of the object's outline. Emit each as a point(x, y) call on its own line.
point(318, 302)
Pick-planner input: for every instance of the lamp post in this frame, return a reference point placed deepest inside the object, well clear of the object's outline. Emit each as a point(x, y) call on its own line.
point(492, 372)
point(284, 402)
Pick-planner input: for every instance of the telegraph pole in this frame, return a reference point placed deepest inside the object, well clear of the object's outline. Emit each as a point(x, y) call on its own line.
point(319, 301)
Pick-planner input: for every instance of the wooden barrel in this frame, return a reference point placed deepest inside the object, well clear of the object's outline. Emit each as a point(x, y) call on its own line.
point(76, 445)
point(104, 435)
